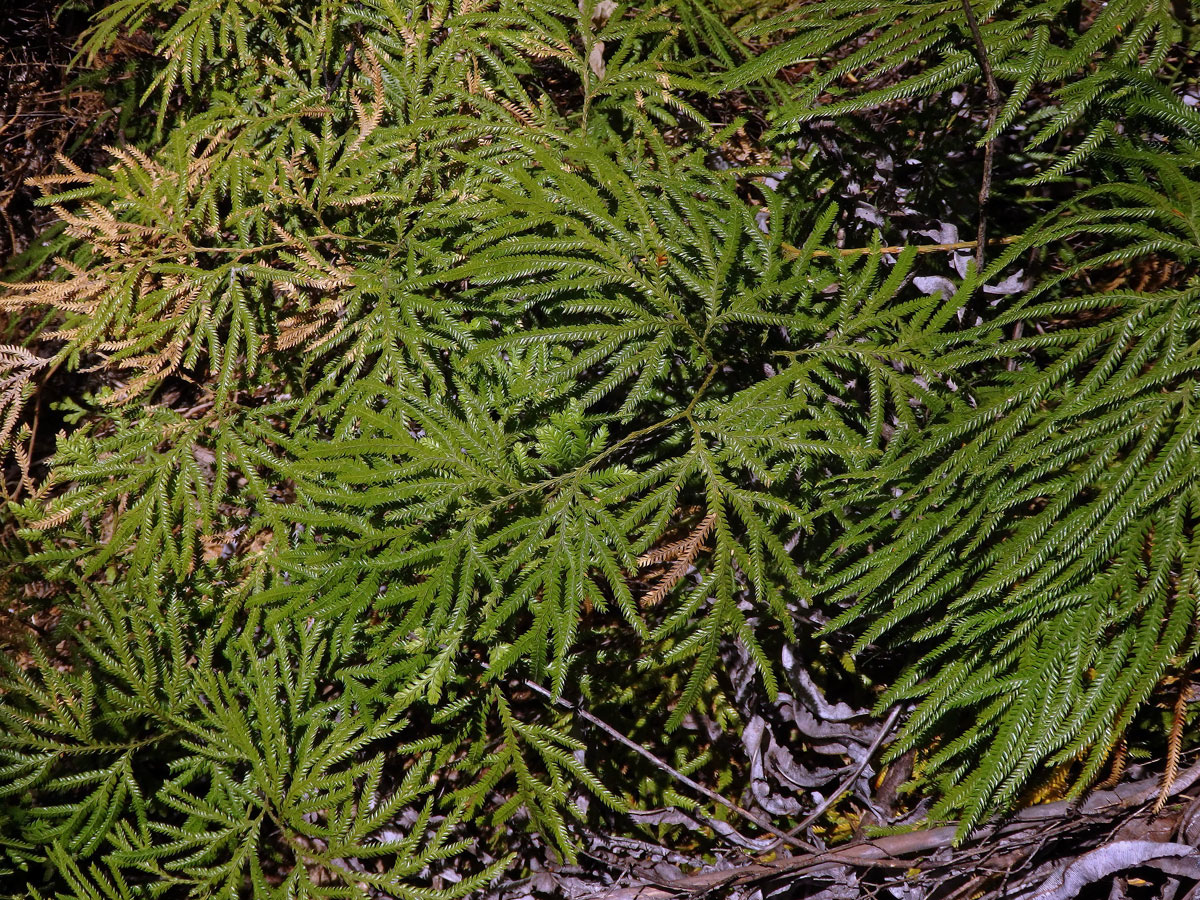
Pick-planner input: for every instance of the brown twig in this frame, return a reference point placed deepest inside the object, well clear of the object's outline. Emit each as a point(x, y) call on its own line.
point(848, 783)
point(793, 252)
point(668, 768)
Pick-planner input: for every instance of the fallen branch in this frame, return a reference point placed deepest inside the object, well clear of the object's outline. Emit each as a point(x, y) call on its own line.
point(898, 850)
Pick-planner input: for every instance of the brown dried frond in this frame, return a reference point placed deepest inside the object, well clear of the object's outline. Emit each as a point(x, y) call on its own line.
point(301, 327)
point(522, 115)
point(184, 295)
point(154, 367)
point(473, 82)
point(1174, 746)
point(682, 553)
point(1119, 757)
point(53, 520)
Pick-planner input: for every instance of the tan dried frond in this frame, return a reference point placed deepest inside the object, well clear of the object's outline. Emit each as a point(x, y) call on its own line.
point(53, 520)
point(466, 7)
point(541, 47)
point(102, 221)
point(293, 332)
point(411, 40)
point(328, 336)
point(133, 158)
point(284, 235)
point(17, 368)
point(333, 275)
point(683, 553)
point(79, 293)
point(153, 367)
point(97, 225)
point(13, 355)
point(45, 182)
point(115, 346)
point(204, 159)
point(13, 405)
point(368, 119)
point(73, 175)
point(24, 458)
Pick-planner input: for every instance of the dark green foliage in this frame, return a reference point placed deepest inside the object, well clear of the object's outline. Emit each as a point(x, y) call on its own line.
point(423, 328)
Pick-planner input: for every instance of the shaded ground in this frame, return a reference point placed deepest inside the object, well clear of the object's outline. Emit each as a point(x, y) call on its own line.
point(41, 114)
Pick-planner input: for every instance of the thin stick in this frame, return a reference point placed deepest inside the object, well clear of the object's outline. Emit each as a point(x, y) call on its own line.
point(989, 148)
point(793, 251)
point(26, 481)
point(669, 769)
point(848, 782)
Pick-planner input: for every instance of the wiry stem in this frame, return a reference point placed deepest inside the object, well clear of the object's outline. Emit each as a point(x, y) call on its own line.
point(668, 768)
point(989, 149)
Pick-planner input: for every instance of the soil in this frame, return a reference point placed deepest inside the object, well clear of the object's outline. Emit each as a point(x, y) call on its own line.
point(47, 107)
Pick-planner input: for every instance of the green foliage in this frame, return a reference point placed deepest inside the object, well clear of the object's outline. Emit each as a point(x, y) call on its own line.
point(210, 758)
point(425, 331)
